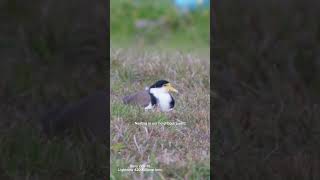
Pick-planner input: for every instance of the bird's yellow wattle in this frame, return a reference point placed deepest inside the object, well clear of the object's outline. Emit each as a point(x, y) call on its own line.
point(170, 88)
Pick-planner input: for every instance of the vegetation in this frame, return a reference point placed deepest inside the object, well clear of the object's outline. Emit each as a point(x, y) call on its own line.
point(151, 40)
point(54, 52)
point(266, 80)
point(158, 25)
point(181, 151)
point(48, 60)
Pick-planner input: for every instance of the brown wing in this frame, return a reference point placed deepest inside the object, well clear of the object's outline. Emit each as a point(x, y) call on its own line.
point(141, 98)
point(88, 114)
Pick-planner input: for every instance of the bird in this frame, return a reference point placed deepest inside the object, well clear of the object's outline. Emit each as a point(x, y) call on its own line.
point(157, 95)
point(88, 114)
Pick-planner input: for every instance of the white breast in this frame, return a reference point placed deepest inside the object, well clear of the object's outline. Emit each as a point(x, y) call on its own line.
point(164, 101)
point(163, 98)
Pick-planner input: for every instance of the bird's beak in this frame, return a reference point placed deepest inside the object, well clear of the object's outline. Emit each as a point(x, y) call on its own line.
point(170, 88)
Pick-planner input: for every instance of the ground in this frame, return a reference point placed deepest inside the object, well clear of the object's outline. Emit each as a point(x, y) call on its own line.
point(180, 151)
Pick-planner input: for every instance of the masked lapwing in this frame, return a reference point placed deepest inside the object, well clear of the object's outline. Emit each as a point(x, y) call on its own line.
point(157, 95)
point(89, 114)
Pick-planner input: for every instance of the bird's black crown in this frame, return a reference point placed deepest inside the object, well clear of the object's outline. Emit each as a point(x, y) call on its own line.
point(159, 84)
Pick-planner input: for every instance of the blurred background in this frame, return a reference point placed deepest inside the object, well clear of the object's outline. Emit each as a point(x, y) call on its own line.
point(53, 52)
point(165, 24)
point(266, 77)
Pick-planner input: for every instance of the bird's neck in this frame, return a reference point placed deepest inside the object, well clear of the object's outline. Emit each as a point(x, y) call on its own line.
point(158, 92)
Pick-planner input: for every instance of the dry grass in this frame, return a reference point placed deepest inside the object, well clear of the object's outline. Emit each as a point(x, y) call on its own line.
point(181, 151)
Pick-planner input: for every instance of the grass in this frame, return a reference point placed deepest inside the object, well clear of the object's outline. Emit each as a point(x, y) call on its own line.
point(166, 28)
point(180, 151)
point(54, 52)
point(266, 80)
point(48, 60)
point(26, 154)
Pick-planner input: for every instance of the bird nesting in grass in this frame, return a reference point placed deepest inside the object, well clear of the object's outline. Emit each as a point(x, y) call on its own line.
point(88, 115)
point(157, 95)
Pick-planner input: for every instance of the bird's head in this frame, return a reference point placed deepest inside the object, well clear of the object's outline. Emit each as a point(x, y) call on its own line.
point(164, 86)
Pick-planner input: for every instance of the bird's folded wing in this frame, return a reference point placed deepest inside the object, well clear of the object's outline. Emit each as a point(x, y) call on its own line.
point(141, 98)
point(88, 113)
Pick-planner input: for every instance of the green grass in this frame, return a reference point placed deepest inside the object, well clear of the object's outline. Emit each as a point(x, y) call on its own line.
point(131, 113)
point(180, 151)
point(176, 31)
